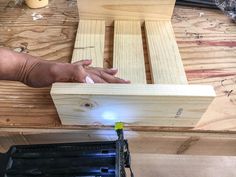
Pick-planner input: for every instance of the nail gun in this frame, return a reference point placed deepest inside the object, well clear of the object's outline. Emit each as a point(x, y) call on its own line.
point(87, 159)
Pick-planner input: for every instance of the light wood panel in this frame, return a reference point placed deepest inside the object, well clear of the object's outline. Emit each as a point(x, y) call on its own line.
point(165, 60)
point(110, 10)
point(89, 42)
point(133, 104)
point(146, 148)
point(128, 56)
point(151, 142)
point(183, 166)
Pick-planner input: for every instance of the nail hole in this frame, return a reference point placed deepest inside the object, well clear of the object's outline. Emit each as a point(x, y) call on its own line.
point(88, 105)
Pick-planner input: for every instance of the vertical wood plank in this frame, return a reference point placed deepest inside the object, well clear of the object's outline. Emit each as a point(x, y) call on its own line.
point(89, 42)
point(128, 55)
point(164, 56)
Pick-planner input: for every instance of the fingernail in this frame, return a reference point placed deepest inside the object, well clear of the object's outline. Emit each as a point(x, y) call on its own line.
point(114, 69)
point(89, 80)
point(127, 80)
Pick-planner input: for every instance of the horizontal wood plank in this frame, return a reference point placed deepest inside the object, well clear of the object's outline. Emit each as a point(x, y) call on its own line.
point(133, 104)
point(183, 166)
point(126, 10)
point(151, 142)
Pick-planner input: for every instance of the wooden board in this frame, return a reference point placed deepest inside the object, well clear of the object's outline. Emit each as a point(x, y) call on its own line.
point(128, 51)
point(111, 10)
point(146, 148)
point(133, 104)
point(151, 142)
point(89, 42)
point(165, 60)
point(183, 166)
point(143, 105)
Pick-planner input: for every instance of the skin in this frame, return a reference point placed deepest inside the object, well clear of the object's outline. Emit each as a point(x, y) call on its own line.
point(36, 72)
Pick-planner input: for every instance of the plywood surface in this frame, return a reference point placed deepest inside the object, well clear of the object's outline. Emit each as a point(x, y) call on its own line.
point(206, 46)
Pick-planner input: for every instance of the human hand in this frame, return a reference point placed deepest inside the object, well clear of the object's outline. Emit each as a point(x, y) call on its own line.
point(87, 74)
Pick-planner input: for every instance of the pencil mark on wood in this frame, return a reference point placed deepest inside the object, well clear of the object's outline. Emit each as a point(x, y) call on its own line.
point(179, 112)
point(187, 144)
point(88, 47)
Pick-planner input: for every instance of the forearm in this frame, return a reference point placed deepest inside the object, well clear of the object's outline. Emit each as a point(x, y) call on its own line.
point(35, 72)
point(25, 68)
point(9, 65)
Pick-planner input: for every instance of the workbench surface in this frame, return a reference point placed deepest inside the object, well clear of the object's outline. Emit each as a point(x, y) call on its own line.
point(206, 39)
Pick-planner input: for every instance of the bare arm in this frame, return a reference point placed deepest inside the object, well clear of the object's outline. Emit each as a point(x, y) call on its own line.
point(35, 72)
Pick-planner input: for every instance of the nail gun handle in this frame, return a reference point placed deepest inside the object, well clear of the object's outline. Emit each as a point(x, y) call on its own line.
point(3, 164)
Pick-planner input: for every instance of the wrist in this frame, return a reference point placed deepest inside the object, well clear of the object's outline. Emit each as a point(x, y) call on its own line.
point(62, 72)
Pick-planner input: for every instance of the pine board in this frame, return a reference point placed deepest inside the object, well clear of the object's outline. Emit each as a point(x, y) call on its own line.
point(164, 57)
point(110, 10)
point(128, 55)
point(149, 142)
point(137, 104)
point(89, 43)
point(183, 166)
point(133, 104)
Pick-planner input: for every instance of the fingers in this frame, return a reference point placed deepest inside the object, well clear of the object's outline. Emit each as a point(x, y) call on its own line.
point(112, 79)
point(97, 79)
point(100, 75)
point(112, 71)
point(96, 70)
point(84, 63)
point(91, 75)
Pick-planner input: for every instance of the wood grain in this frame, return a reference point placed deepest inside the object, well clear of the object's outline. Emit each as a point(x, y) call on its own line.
point(151, 142)
point(133, 104)
point(128, 55)
point(208, 51)
point(165, 60)
point(183, 166)
point(57, 13)
point(206, 46)
point(126, 10)
point(89, 43)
